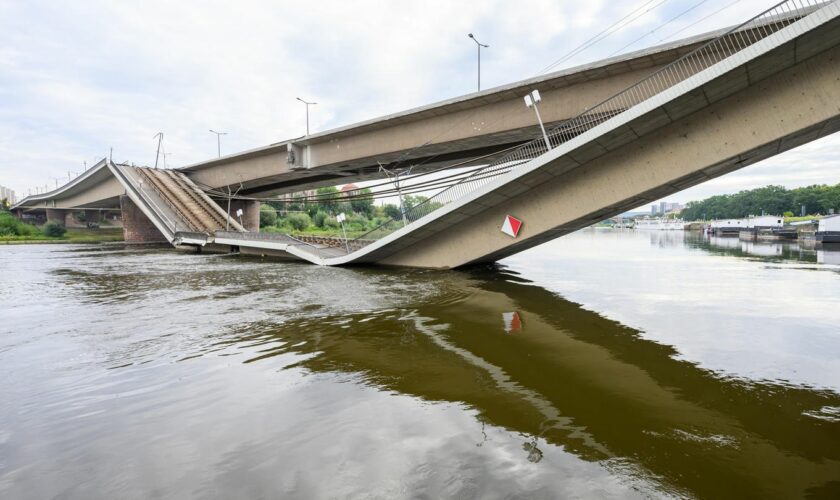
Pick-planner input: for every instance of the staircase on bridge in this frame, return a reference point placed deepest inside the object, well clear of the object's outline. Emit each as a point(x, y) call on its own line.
point(177, 207)
point(195, 208)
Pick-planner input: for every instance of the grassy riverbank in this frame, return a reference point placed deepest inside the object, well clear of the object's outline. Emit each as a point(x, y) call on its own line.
point(73, 235)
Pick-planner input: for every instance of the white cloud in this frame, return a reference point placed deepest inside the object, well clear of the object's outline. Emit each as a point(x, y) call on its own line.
point(79, 77)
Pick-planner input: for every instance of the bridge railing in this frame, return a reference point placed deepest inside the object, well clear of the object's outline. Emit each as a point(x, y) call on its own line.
point(188, 226)
point(710, 53)
point(137, 187)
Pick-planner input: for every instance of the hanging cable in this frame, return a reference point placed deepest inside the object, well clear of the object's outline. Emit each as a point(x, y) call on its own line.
point(695, 23)
point(604, 34)
point(666, 23)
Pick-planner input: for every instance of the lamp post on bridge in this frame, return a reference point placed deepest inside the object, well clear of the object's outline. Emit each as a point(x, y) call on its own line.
point(478, 45)
point(531, 101)
point(218, 141)
point(159, 137)
point(307, 103)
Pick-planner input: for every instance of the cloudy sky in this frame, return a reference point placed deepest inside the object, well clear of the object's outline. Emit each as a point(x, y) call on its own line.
point(80, 77)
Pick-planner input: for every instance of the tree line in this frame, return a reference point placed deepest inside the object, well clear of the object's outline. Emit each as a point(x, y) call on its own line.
point(772, 200)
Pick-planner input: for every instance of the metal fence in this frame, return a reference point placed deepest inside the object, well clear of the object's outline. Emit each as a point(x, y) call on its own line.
point(701, 58)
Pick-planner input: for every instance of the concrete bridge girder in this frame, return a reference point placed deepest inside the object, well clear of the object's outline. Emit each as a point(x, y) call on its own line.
point(461, 128)
point(782, 111)
point(96, 188)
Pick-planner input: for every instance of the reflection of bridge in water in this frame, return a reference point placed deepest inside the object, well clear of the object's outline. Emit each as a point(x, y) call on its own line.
point(568, 377)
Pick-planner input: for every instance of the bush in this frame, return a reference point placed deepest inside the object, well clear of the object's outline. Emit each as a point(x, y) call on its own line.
point(299, 221)
point(11, 226)
point(319, 218)
point(331, 223)
point(357, 222)
point(283, 226)
point(53, 230)
point(268, 217)
point(392, 211)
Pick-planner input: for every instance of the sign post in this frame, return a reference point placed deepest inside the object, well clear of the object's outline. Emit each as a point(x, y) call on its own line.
point(340, 218)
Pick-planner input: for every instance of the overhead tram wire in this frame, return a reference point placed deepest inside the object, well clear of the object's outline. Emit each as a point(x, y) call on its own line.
point(620, 24)
point(592, 41)
point(603, 34)
point(399, 161)
point(666, 23)
point(458, 177)
point(412, 188)
point(330, 197)
point(695, 23)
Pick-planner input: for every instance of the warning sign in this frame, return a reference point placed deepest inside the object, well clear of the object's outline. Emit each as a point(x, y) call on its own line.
point(511, 226)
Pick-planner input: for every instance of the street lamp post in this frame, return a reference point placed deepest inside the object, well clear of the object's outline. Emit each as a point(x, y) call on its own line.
point(159, 137)
point(218, 141)
point(478, 45)
point(307, 111)
point(531, 101)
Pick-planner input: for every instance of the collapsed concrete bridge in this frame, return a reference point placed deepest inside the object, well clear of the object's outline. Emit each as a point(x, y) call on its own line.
point(643, 127)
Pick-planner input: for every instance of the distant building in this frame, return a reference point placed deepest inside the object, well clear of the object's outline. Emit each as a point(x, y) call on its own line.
point(348, 189)
point(663, 207)
point(7, 194)
point(653, 209)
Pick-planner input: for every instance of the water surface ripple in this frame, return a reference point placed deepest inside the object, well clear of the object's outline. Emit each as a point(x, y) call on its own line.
point(604, 364)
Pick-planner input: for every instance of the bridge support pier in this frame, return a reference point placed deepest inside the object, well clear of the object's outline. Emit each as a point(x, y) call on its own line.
point(93, 216)
point(250, 213)
point(58, 215)
point(137, 228)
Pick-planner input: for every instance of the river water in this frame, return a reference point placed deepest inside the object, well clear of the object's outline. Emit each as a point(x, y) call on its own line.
point(605, 364)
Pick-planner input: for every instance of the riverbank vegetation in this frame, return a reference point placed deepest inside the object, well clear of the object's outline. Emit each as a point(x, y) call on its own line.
point(775, 200)
point(13, 230)
point(319, 219)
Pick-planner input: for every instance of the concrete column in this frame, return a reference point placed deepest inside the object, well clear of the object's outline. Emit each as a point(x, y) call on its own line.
point(137, 228)
point(58, 215)
point(93, 216)
point(250, 216)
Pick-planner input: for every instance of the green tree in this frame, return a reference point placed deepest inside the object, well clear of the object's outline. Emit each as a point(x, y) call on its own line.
point(363, 206)
point(319, 218)
point(299, 221)
point(268, 216)
point(768, 199)
point(391, 211)
point(331, 203)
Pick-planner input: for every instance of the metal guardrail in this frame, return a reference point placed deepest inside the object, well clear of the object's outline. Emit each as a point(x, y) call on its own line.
point(159, 193)
point(712, 52)
point(171, 225)
point(254, 236)
point(327, 249)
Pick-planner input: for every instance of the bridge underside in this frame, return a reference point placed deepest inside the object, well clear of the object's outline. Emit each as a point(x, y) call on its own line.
point(787, 97)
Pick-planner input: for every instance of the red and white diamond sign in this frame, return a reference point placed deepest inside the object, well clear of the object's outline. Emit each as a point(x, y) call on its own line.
point(511, 226)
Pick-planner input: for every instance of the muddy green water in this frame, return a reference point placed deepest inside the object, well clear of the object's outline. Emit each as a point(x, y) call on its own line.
point(605, 364)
